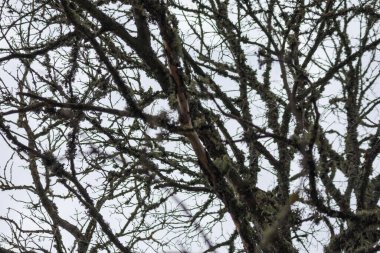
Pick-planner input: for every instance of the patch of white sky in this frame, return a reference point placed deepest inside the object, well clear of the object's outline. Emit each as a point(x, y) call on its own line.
point(214, 230)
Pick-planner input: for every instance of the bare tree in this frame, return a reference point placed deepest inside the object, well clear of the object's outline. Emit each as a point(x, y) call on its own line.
point(190, 126)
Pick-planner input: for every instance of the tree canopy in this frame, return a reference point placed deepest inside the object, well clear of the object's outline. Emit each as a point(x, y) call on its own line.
point(189, 126)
